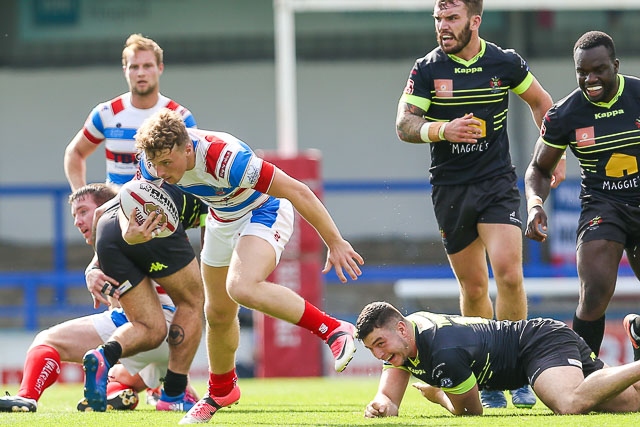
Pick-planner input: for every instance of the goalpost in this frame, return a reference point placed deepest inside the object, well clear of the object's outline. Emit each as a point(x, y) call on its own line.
point(285, 45)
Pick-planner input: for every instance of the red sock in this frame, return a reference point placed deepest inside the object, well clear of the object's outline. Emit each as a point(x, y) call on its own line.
point(221, 385)
point(318, 322)
point(41, 370)
point(114, 387)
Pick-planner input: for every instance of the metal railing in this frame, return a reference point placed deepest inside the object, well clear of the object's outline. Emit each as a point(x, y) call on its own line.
point(60, 279)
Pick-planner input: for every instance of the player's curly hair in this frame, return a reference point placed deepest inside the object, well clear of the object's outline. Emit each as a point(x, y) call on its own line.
point(592, 39)
point(160, 132)
point(138, 42)
point(474, 7)
point(376, 315)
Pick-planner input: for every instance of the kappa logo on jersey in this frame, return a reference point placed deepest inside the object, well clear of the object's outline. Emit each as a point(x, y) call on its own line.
point(585, 136)
point(612, 113)
point(472, 70)
point(443, 88)
point(157, 266)
point(276, 236)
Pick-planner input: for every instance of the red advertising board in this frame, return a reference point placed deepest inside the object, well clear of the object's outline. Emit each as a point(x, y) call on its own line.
point(284, 349)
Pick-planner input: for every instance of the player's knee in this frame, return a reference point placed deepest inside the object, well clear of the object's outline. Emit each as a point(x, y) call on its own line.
point(220, 317)
point(155, 339)
point(474, 293)
point(154, 332)
point(569, 406)
point(51, 338)
point(510, 280)
point(243, 293)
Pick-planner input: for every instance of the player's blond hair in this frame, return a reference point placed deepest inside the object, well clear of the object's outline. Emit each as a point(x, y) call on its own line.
point(136, 43)
point(160, 132)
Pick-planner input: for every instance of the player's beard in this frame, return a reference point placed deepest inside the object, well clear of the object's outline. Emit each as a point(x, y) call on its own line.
point(148, 91)
point(462, 40)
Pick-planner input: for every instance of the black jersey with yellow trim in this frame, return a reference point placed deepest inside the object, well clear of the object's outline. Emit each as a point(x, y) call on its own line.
point(604, 137)
point(191, 208)
point(454, 349)
point(448, 87)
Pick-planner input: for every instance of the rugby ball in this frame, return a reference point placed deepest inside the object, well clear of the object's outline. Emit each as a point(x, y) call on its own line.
point(146, 197)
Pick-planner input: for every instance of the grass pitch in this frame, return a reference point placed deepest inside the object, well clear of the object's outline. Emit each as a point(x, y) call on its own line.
point(328, 402)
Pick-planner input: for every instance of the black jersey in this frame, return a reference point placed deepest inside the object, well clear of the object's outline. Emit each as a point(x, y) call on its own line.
point(604, 137)
point(191, 208)
point(447, 87)
point(455, 352)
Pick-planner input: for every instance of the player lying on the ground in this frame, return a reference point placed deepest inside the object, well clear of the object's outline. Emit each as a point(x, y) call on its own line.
point(69, 341)
point(457, 356)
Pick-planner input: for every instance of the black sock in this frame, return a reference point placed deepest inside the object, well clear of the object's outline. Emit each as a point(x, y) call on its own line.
point(174, 384)
point(112, 352)
point(591, 331)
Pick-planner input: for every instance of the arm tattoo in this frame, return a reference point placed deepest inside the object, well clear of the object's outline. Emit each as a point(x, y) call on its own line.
point(410, 120)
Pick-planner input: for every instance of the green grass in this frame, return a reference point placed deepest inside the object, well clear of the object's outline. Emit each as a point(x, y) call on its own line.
point(328, 402)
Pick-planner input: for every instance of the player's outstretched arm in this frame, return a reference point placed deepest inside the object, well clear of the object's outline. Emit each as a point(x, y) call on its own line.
point(386, 403)
point(341, 255)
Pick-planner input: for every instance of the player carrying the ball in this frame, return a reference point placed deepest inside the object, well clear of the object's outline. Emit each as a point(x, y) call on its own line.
point(250, 221)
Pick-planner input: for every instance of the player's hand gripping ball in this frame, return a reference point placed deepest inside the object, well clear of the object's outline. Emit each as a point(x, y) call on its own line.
point(147, 197)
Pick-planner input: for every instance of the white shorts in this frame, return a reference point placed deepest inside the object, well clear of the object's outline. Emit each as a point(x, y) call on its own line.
point(221, 238)
point(151, 365)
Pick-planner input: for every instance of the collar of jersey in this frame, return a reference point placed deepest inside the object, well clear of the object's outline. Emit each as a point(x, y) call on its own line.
point(415, 361)
point(483, 47)
point(614, 99)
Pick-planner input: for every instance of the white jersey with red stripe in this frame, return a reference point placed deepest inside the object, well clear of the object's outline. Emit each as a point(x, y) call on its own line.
point(115, 122)
point(228, 176)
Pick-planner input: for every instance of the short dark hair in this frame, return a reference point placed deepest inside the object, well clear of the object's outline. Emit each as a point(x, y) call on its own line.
point(99, 192)
point(376, 315)
point(474, 7)
point(592, 39)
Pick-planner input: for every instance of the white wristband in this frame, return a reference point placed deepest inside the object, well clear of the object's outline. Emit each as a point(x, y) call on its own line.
point(533, 202)
point(424, 132)
point(564, 156)
point(441, 131)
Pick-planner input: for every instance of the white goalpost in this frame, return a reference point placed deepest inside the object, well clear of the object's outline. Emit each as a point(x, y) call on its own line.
point(285, 45)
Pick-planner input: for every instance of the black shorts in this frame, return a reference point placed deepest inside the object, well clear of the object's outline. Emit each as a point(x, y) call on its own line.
point(608, 220)
point(547, 343)
point(159, 257)
point(459, 208)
